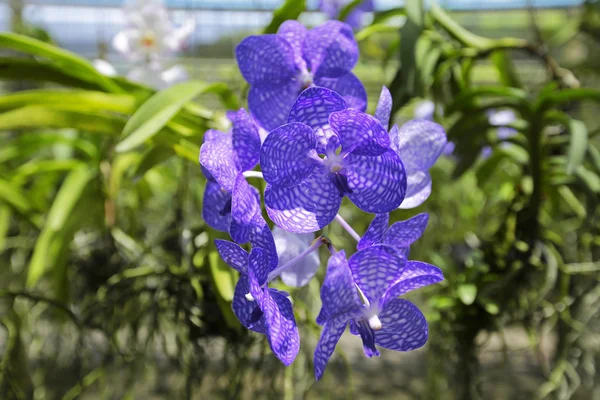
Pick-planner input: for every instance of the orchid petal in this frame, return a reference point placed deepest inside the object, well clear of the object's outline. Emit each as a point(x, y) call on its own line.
point(377, 184)
point(248, 312)
point(384, 107)
point(418, 189)
point(266, 60)
point(419, 143)
point(233, 255)
point(338, 292)
point(349, 87)
point(215, 203)
point(330, 49)
point(375, 231)
point(359, 133)
point(282, 330)
point(313, 107)
point(375, 269)
point(404, 326)
point(216, 156)
point(270, 105)
point(331, 334)
point(405, 233)
point(416, 274)
point(244, 204)
point(245, 141)
point(294, 32)
point(285, 155)
point(304, 208)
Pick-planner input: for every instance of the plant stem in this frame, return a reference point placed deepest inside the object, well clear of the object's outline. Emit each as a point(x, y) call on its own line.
point(347, 227)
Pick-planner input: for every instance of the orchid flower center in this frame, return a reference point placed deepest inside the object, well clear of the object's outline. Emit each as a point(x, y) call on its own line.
point(148, 40)
point(306, 79)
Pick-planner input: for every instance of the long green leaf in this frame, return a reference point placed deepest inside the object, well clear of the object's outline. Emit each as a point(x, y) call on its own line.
point(14, 197)
point(155, 113)
point(47, 248)
point(290, 9)
point(23, 69)
point(36, 116)
point(82, 99)
point(65, 60)
point(577, 145)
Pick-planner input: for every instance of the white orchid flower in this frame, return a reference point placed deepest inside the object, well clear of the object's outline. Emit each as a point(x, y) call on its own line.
point(150, 33)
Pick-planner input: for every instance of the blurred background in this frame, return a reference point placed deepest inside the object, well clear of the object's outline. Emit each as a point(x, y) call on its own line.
point(110, 285)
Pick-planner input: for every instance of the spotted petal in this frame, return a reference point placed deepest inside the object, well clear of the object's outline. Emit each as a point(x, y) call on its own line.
point(419, 143)
point(233, 255)
point(418, 189)
point(359, 133)
point(404, 326)
point(266, 60)
point(258, 264)
point(245, 140)
point(270, 105)
point(338, 292)
point(285, 155)
point(308, 207)
point(294, 32)
point(282, 330)
point(248, 312)
point(215, 204)
point(261, 236)
point(290, 245)
point(331, 334)
point(375, 231)
point(416, 274)
point(240, 229)
point(313, 107)
point(349, 87)
point(243, 201)
point(405, 233)
point(377, 183)
point(384, 107)
point(330, 49)
point(375, 269)
point(216, 156)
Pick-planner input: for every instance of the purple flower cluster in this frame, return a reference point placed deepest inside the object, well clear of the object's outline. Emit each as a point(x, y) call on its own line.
point(315, 145)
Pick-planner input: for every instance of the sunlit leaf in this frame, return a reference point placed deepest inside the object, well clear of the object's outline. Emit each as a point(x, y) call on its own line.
point(467, 293)
point(290, 9)
point(577, 146)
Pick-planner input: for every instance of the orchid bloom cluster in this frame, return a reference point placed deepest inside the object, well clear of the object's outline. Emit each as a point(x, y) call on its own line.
point(307, 130)
point(150, 35)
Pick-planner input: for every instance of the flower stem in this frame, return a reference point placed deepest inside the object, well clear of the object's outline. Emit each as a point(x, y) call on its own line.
point(347, 227)
point(253, 174)
point(277, 271)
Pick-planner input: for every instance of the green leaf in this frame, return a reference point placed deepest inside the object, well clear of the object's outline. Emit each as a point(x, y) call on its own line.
point(13, 196)
point(347, 9)
point(150, 159)
point(388, 14)
point(467, 293)
point(80, 99)
point(467, 98)
point(223, 276)
point(53, 117)
point(63, 59)
point(5, 218)
point(47, 249)
point(453, 28)
point(572, 201)
point(506, 69)
point(372, 30)
point(22, 69)
point(577, 146)
point(290, 9)
point(155, 113)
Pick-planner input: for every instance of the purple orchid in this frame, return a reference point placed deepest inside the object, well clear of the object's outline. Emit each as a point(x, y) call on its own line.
point(279, 66)
point(258, 307)
point(381, 274)
point(325, 152)
point(228, 198)
point(399, 236)
point(333, 8)
point(419, 143)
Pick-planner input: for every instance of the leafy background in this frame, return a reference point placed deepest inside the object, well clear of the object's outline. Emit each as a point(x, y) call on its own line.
point(110, 285)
